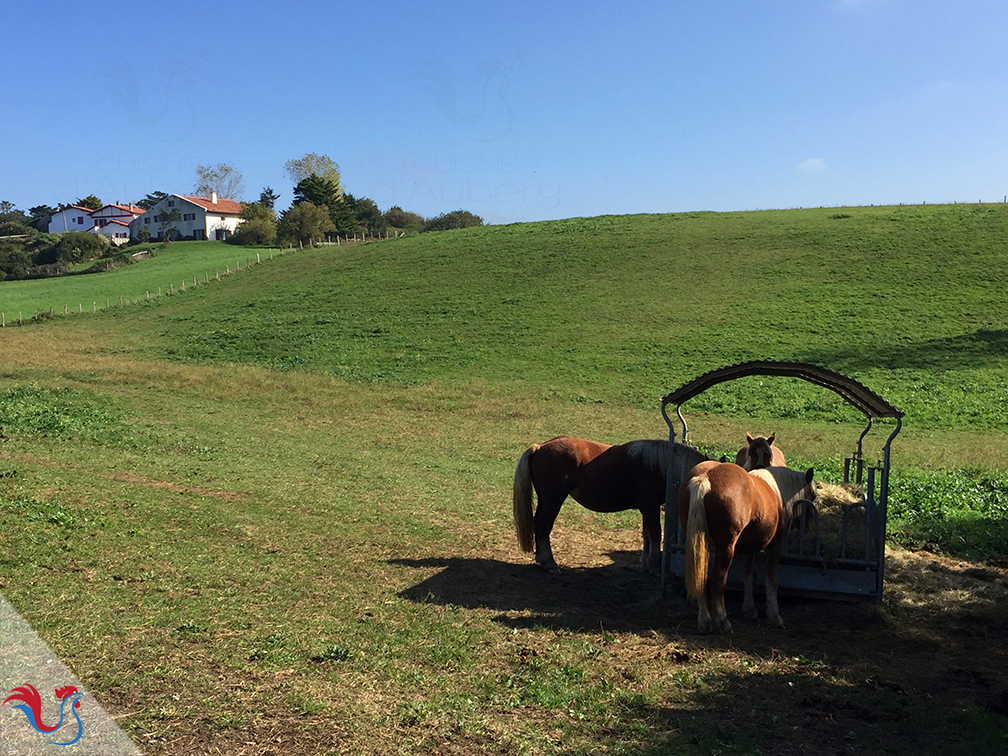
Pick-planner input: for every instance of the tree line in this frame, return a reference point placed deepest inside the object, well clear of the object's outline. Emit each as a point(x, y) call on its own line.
point(320, 209)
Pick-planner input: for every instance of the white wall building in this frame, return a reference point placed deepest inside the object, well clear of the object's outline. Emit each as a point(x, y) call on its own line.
point(73, 218)
point(113, 221)
point(199, 217)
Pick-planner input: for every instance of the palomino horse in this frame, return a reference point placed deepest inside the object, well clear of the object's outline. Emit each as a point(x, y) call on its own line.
point(599, 477)
point(760, 452)
point(737, 511)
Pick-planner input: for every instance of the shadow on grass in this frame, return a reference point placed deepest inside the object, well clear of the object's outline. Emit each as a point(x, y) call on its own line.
point(980, 349)
point(618, 597)
point(840, 678)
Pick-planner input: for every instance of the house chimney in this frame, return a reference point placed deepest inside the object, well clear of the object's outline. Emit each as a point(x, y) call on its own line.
point(213, 197)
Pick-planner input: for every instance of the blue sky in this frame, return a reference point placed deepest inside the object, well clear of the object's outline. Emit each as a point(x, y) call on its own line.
point(516, 111)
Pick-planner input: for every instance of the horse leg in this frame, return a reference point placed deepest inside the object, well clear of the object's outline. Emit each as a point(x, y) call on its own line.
point(704, 622)
point(651, 537)
point(718, 579)
point(772, 611)
point(545, 515)
point(749, 603)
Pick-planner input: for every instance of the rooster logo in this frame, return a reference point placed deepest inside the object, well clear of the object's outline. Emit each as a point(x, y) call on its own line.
point(31, 705)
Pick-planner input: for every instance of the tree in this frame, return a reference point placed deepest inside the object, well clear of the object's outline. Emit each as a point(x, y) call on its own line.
point(168, 219)
point(367, 214)
point(150, 200)
point(256, 211)
point(304, 222)
point(41, 211)
point(79, 246)
point(10, 214)
point(40, 215)
point(14, 228)
point(258, 226)
point(323, 191)
point(321, 165)
point(224, 179)
point(91, 202)
point(396, 217)
point(268, 198)
point(316, 189)
point(454, 219)
point(258, 231)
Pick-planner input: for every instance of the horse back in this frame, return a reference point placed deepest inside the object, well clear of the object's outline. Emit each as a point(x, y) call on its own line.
point(615, 480)
point(740, 508)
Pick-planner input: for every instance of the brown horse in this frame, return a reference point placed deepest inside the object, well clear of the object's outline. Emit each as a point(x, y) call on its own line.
point(737, 511)
point(599, 477)
point(760, 452)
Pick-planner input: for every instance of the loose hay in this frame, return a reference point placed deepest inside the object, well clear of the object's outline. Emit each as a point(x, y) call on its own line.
point(831, 501)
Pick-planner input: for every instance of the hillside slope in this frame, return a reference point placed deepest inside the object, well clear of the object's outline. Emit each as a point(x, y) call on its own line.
point(911, 300)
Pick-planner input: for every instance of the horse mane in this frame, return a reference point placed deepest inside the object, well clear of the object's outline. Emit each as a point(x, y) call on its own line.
point(654, 453)
point(789, 484)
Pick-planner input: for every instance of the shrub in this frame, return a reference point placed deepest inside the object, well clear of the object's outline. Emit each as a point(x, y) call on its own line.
point(77, 246)
point(13, 228)
point(454, 219)
point(254, 232)
point(304, 223)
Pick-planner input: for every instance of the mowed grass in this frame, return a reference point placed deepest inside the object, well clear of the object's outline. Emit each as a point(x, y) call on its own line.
point(172, 266)
point(277, 510)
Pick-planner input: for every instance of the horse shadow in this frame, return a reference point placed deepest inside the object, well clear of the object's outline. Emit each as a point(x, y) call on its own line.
point(617, 597)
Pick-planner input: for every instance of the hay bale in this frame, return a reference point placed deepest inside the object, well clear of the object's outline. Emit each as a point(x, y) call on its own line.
point(831, 501)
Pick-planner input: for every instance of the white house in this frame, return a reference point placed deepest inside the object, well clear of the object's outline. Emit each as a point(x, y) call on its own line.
point(117, 231)
point(199, 217)
point(73, 218)
point(113, 221)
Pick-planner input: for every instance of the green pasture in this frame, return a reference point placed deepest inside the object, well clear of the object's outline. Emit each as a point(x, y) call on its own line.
point(275, 508)
point(171, 266)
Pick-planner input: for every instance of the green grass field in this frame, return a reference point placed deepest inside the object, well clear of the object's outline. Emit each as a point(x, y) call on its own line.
point(276, 508)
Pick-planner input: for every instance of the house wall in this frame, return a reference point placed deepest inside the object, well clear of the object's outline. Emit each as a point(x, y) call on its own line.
point(71, 219)
point(116, 232)
point(194, 219)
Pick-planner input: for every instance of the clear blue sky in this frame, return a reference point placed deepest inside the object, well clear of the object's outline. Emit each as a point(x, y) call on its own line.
point(514, 110)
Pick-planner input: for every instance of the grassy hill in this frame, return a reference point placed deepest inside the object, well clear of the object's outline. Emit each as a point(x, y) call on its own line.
point(910, 300)
point(276, 508)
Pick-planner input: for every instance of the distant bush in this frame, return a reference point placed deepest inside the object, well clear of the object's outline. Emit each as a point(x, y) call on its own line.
point(396, 217)
point(77, 246)
point(455, 219)
point(14, 228)
point(258, 231)
point(15, 261)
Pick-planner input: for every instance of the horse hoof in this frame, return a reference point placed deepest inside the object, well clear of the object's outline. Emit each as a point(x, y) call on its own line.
point(725, 627)
point(552, 568)
point(775, 622)
point(750, 614)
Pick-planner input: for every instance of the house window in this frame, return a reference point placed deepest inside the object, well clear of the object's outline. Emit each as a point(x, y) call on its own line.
point(157, 218)
point(147, 221)
point(171, 203)
point(80, 219)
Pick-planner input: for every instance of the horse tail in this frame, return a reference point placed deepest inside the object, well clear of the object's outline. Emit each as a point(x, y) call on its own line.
point(523, 499)
point(696, 538)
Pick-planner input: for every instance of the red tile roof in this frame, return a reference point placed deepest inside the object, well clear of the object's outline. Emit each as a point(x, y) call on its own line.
point(223, 206)
point(129, 209)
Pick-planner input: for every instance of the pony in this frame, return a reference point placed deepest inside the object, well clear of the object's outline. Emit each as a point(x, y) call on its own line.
point(599, 477)
point(738, 511)
point(760, 452)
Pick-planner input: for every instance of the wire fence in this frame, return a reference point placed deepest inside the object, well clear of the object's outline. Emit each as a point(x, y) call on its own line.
point(184, 285)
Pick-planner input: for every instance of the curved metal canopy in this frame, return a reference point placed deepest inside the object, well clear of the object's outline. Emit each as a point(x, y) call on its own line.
point(856, 394)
